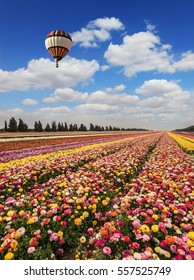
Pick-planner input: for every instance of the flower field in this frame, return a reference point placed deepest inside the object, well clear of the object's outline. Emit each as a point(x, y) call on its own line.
point(103, 198)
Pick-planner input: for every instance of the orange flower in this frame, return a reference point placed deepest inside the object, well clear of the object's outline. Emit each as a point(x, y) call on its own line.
point(112, 229)
point(103, 231)
point(114, 214)
point(33, 242)
point(170, 239)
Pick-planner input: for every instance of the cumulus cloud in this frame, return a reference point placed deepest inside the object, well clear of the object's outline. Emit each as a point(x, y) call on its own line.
point(54, 110)
point(115, 89)
point(155, 87)
point(186, 63)
point(29, 101)
point(140, 52)
point(143, 52)
point(116, 99)
point(97, 108)
point(169, 89)
point(67, 95)
point(41, 73)
point(96, 31)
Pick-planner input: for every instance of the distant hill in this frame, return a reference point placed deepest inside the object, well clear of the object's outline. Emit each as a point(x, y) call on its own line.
point(187, 129)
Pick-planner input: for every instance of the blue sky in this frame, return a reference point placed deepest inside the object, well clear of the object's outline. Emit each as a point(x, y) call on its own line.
point(131, 63)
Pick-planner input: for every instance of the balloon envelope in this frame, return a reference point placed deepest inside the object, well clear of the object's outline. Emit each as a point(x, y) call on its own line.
point(58, 44)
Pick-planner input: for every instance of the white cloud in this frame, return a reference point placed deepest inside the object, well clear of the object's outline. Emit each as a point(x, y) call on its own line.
point(97, 108)
point(186, 63)
point(96, 31)
point(120, 87)
point(144, 51)
point(117, 88)
point(41, 73)
point(140, 52)
point(104, 67)
point(155, 87)
point(106, 23)
point(113, 99)
point(54, 110)
point(66, 95)
point(149, 26)
point(29, 101)
point(170, 90)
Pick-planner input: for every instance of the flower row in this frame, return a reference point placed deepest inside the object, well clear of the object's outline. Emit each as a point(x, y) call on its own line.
point(187, 144)
point(6, 156)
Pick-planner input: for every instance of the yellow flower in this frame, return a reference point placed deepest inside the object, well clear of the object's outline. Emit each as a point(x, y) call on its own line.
point(94, 223)
point(9, 256)
point(10, 213)
point(60, 234)
point(191, 235)
point(155, 228)
point(14, 245)
point(78, 207)
point(154, 216)
point(145, 229)
point(157, 249)
point(82, 239)
point(85, 214)
point(21, 212)
point(190, 243)
point(165, 209)
point(31, 221)
point(167, 254)
point(104, 202)
point(155, 256)
point(78, 221)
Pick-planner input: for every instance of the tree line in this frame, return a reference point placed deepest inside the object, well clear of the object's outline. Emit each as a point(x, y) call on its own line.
point(21, 126)
point(187, 129)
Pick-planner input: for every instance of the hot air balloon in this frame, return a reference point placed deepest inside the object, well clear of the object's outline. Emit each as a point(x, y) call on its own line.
point(58, 44)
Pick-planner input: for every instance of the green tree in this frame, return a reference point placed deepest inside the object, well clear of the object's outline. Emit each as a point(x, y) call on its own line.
point(91, 127)
point(22, 127)
point(13, 125)
point(66, 127)
point(38, 126)
point(47, 127)
point(5, 127)
point(54, 126)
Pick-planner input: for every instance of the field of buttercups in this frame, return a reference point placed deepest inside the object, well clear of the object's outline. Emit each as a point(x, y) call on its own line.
point(124, 197)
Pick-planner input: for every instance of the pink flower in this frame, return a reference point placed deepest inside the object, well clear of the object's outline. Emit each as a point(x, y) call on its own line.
point(107, 250)
point(178, 257)
point(37, 232)
point(126, 239)
point(31, 250)
point(192, 254)
point(163, 244)
point(135, 245)
point(150, 212)
point(54, 236)
point(120, 223)
point(136, 223)
point(145, 237)
point(101, 243)
point(129, 258)
point(115, 237)
point(125, 253)
point(90, 231)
